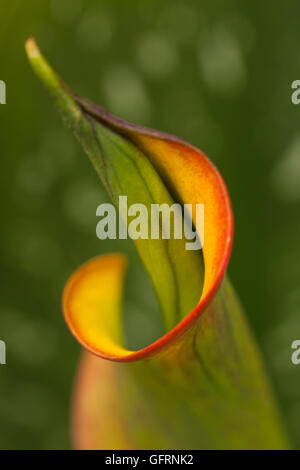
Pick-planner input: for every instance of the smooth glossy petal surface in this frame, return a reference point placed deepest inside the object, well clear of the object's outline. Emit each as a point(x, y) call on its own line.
point(193, 179)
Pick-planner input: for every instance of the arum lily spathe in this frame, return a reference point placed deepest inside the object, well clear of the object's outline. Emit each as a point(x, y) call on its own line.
point(202, 384)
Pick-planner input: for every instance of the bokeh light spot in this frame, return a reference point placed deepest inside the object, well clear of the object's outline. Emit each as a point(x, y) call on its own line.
point(156, 55)
point(221, 61)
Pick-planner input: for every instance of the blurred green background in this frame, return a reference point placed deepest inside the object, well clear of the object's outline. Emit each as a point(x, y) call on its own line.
point(217, 74)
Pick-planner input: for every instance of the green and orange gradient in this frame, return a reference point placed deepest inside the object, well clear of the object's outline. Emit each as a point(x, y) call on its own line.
point(202, 384)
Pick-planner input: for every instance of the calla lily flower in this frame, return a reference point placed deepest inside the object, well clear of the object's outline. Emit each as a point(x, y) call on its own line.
point(202, 384)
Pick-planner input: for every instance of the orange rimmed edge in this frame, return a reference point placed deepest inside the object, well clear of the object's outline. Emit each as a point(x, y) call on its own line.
point(93, 314)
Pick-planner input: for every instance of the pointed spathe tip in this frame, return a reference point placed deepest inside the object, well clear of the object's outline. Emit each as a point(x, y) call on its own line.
point(32, 48)
point(51, 80)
